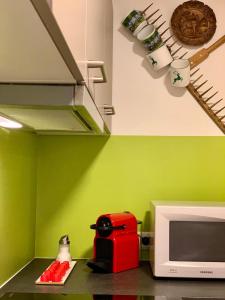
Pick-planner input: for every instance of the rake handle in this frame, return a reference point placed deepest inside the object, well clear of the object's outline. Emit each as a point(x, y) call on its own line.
point(203, 54)
point(216, 45)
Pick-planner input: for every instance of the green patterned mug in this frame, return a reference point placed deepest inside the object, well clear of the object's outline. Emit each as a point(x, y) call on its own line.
point(133, 20)
point(150, 37)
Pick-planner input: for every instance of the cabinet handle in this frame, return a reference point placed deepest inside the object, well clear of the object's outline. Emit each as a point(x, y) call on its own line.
point(93, 64)
point(109, 110)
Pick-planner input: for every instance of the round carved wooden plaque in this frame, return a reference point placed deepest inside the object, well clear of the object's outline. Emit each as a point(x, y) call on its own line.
point(193, 23)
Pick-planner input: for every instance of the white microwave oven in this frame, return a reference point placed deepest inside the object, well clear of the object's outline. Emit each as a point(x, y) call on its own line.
point(188, 239)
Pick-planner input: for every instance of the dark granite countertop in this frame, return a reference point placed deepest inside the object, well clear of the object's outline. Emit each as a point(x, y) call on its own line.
point(133, 282)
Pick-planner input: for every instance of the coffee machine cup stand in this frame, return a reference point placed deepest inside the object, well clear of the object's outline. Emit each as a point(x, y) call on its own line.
point(116, 243)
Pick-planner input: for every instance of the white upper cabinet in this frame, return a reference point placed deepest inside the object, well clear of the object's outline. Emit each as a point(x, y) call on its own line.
point(43, 56)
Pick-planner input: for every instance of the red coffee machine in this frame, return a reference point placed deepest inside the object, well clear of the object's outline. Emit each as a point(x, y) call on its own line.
point(116, 243)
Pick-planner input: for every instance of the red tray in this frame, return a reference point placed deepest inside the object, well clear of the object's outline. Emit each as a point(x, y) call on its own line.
point(63, 280)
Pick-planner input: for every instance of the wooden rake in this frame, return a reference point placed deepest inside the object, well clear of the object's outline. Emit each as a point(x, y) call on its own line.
point(201, 97)
point(205, 102)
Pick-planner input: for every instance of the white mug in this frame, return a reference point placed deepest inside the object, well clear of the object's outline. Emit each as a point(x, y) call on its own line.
point(160, 58)
point(180, 72)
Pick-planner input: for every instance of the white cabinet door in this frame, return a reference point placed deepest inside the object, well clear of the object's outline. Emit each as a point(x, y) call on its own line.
point(71, 16)
point(100, 47)
point(95, 29)
point(32, 47)
point(87, 26)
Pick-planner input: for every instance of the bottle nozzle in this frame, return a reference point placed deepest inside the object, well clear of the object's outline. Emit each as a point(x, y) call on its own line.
point(64, 240)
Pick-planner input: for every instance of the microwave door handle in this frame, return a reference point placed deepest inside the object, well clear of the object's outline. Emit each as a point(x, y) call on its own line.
point(94, 64)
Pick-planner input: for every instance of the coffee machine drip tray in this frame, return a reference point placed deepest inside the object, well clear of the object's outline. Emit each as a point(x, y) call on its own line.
point(104, 256)
point(100, 265)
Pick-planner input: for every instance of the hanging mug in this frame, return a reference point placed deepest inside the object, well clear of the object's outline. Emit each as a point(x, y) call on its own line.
point(140, 27)
point(180, 72)
point(150, 37)
point(160, 58)
point(135, 21)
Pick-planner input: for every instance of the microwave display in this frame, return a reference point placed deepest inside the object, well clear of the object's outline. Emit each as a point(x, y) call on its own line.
point(197, 241)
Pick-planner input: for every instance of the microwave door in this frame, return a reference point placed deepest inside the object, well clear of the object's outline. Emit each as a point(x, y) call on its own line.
point(196, 241)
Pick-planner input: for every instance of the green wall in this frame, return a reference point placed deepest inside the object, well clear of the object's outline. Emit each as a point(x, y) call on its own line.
point(17, 201)
point(80, 178)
